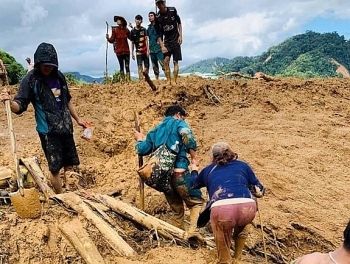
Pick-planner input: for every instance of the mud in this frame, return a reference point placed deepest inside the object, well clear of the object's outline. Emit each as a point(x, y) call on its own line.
point(293, 132)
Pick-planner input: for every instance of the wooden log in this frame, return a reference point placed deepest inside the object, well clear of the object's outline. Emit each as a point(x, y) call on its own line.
point(115, 241)
point(150, 222)
point(81, 241)
point(38, 175)
point(132, 213)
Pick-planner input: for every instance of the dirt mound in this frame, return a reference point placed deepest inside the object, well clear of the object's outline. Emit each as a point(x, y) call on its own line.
point(341, 69)
point(293, 133)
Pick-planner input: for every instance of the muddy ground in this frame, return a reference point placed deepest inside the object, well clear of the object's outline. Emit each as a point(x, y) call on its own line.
point(293, 132)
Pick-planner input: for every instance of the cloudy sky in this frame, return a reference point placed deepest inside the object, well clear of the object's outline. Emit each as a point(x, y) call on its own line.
point(225, 28)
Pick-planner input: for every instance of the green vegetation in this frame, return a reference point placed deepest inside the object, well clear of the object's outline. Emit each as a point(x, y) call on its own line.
point(15, 70)
point(71, 78)
point(206, 66)
point(305, 55)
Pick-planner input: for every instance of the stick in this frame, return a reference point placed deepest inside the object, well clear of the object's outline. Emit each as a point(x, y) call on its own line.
point(141, 184)
point(262, 231)
point(107, 55)
point(149, 81)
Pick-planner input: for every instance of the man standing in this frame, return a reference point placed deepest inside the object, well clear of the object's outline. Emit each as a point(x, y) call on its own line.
point(173, 129)
point(30, 64)
point(168, 23)
point(3, 73)
point(46, 88)
point(156, 54)
point(139, 40)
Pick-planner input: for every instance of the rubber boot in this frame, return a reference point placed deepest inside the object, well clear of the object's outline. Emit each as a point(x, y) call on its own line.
point(128, 78)
point(122, 77)
point(176, 71)
point(139, 70)
point(167, 74)
point(239, 245)
point(178, 215)
point(240, 239)
point(193, 231)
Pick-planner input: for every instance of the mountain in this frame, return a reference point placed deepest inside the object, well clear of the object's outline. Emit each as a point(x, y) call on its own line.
point(86, 78)
point(307, 55)
point(206, 66)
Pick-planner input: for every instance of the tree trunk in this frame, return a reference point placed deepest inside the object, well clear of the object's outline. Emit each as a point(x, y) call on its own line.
point(132, 213)
point(81, 241)
point(116, 242)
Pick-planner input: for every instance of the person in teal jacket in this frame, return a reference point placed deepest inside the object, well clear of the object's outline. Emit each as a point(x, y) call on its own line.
point(156, 53)
point(173, 128)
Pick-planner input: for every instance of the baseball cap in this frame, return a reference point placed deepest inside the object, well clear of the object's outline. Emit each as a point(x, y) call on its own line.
point(50, 64)
point(138, 17)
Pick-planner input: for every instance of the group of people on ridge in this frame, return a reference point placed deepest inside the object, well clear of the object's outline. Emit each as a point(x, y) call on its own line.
point(160, 41)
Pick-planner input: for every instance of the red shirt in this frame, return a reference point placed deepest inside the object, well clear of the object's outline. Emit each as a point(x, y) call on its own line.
point(119, 39)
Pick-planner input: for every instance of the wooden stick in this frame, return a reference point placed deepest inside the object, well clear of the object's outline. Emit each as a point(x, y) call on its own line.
point(262, 231)
point(81, 241)
point(115, 241)
point(107, 56)
point(149, 81)
point(141, 183)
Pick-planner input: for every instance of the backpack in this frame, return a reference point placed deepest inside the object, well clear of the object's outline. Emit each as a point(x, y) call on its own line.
point(158, 169)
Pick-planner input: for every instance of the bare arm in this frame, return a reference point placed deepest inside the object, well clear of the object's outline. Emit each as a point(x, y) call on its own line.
point(193, 155)
point(179, 27)
point(74, 114)
point(2, 66)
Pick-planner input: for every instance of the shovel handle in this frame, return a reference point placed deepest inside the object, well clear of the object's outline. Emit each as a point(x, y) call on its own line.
point(13, 144)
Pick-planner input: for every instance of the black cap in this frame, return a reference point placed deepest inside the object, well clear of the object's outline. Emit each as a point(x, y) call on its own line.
point(173, 110)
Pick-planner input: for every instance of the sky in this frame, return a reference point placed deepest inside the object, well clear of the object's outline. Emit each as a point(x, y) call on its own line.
point(226, 28)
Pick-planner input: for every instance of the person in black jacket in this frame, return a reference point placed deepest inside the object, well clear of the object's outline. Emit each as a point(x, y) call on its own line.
point(169, 28)
point(46, 88)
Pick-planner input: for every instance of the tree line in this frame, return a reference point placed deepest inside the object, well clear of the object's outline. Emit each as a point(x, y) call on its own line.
point(305, 55)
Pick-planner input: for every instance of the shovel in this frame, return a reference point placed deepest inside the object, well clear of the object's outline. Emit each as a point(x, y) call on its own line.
point(25, 201)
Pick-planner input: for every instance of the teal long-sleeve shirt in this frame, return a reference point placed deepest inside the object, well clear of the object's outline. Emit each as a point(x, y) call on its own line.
point(169, 131)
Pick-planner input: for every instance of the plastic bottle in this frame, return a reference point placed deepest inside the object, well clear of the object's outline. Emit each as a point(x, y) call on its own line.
point(175, 147)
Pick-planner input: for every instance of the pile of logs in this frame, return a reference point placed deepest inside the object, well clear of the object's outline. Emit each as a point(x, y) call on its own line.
point(101, 203)
point(94, 207)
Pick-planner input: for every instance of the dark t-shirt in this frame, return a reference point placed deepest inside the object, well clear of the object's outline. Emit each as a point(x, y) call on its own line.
point(138, 37)
point(55, 86)
point(167, 24)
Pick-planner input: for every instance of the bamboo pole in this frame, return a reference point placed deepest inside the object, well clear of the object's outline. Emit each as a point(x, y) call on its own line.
point(141, 183)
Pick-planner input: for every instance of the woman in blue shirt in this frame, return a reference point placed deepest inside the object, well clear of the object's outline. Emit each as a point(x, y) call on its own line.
point(232, 187)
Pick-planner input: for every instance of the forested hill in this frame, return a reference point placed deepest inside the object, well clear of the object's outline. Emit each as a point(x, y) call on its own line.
point(306, 55)
point(206, 66)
